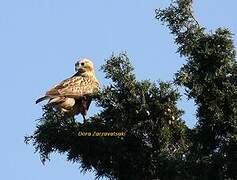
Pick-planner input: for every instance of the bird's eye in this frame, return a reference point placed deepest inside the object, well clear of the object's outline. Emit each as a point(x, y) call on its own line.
point(82, 63)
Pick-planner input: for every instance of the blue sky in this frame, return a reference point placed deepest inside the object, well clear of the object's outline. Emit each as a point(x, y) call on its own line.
point(40, 40)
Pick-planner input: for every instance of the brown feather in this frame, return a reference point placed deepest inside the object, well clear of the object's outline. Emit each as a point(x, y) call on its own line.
point(72, 95)
point(41, 99)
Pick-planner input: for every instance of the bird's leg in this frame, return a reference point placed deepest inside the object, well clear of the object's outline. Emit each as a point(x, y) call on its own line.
point(84, 108)
point(84, 118)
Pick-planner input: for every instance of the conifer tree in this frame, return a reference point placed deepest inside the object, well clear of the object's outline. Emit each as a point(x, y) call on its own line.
point(144, 111)
point(210, 78)
point(150, 141)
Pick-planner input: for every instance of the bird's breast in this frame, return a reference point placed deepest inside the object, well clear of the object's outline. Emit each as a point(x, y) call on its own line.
point(68, 103)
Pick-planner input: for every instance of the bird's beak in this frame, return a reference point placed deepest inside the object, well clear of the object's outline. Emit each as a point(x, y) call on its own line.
point(79, 68)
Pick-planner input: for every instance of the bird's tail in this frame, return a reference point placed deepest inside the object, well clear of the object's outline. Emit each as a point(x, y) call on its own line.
point(41, 99)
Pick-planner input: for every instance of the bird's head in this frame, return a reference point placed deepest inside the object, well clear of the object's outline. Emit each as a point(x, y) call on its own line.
point(85, 67)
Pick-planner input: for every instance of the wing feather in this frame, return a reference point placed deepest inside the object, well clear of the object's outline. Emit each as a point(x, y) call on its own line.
point(75, 87)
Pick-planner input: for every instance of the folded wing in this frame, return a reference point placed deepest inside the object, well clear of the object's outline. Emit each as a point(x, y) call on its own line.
point(74, 87)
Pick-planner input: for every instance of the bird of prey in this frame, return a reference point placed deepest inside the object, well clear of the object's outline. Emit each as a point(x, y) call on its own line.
point(73, 95)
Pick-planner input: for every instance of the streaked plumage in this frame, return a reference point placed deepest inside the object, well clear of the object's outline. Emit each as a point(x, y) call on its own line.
point(73, 95)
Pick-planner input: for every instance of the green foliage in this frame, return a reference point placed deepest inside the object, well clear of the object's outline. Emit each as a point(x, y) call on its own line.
point(145, 111)
point(210, 78)
point(157, 144)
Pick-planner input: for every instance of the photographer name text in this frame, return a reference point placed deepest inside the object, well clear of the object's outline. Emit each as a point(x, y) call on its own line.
point(96, 134)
